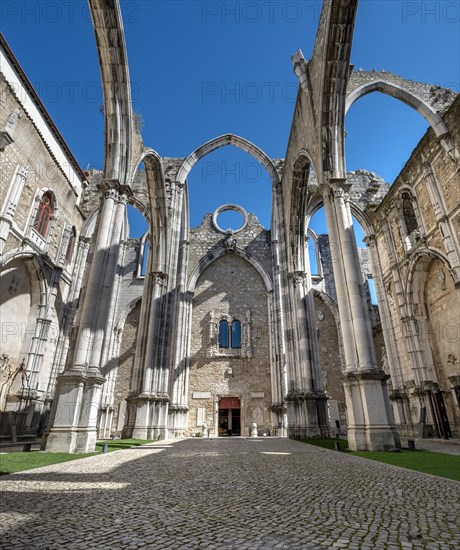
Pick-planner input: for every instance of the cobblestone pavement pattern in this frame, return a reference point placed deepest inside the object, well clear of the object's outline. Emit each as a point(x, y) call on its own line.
point(228, 493)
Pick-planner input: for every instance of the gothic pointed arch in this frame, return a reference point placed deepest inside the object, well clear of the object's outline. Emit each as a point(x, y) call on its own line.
point(415, 95)
point(418, 264)
point(323, 83)
point(156, 212)
point(121, 135)
point(336, 67)
point(297, 229)
point(211, 257)
point(222, 141)
point(23, 301)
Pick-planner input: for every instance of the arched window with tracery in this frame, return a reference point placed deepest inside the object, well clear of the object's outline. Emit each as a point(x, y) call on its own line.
point(409, 215)
point(70, 246)
point(44, 214)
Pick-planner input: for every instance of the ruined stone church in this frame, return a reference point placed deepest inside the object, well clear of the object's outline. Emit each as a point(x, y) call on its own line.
point(226, 329)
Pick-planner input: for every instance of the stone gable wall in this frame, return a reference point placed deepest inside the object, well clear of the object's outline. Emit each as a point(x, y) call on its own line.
point(230, 286)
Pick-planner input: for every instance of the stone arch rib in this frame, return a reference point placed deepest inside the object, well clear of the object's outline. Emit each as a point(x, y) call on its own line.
point(113, 61)
point(433, 118)
point(222, 141)
point(419, 262)
point(158, 221)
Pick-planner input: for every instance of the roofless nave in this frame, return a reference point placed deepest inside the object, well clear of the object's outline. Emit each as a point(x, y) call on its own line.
point(230, 329)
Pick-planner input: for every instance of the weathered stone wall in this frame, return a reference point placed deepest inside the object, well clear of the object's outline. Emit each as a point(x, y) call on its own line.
point(125, 369)
point(254, 239)
point(131, 283)
point(330, 359)
point(410, 276)
point(230, 286)
point(34, 161)
point(443, 316)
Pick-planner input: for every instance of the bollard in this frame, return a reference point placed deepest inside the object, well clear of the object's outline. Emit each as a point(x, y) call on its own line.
point(105, 448)
point(337, 442)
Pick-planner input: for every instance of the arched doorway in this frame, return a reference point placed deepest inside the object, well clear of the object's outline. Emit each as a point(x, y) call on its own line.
point(432, 293)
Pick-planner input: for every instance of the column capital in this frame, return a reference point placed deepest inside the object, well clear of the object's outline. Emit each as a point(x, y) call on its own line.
point(339, 181)
point(298, 277)
point(370, 240)
point(158, 278)
point(23, 171)
point(178, 186)
point(84, 242)
point(113, 188)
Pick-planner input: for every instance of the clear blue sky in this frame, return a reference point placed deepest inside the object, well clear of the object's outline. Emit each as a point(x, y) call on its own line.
point(200, 69)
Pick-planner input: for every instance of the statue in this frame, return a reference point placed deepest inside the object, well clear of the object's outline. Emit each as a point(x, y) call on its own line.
point(229, 241)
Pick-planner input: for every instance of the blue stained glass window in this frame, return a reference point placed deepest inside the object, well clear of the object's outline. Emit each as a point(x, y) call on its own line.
point(236, 334)
point(223, 334)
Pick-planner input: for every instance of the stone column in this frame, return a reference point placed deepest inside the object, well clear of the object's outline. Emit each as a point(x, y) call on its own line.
point(303, 359)
point(319, 396)
point(11, 203)
point(145, 401)
point(79, 387)
point(279, 373)
point(370, 419)
point(178, 407)
point(389, 336)
point(306, 400)
point(338, 269)
point(398, 393)
point(69, 315)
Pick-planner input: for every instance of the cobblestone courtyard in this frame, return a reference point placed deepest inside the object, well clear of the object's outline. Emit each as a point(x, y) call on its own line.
point(228, 493)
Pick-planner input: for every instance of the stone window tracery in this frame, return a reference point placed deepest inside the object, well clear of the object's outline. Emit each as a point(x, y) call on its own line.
point(70, 246)
point(230, 337)
point(410, 219)
point(409, 213)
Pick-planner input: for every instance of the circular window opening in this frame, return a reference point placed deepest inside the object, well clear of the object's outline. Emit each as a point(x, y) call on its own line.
point(230, 217)
point(230, 220)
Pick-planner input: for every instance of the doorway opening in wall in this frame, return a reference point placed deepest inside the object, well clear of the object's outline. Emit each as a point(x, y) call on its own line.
point(229, 416)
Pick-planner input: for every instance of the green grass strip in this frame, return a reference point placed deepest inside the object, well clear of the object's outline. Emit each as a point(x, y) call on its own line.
point(437, 464)
point(20, 461)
